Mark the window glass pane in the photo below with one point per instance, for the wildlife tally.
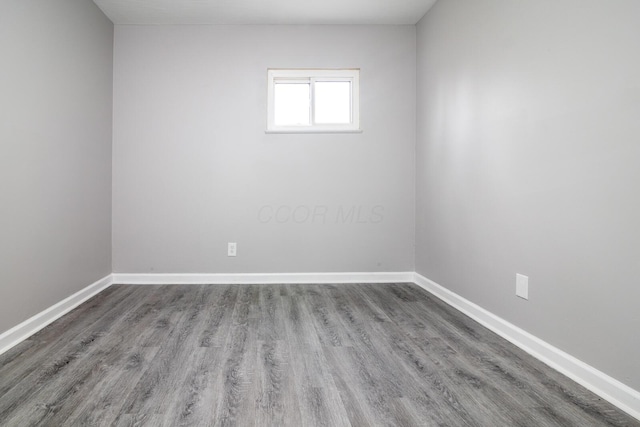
(333, 102)
(291, 104)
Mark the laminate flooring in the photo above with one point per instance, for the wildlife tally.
(282, 355)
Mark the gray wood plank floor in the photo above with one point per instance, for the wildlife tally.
(282, 355)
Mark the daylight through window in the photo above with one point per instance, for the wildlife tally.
(313, 101)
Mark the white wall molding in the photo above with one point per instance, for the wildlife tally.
(610, 389)
(24, 330)
(262, 278)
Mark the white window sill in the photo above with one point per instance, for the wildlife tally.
(313, 131)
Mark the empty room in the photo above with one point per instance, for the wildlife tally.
(320, 213)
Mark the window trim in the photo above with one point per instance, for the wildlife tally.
(351, 75)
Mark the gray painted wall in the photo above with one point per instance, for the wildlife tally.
(193, 168)
(528, 161)
(55, 152)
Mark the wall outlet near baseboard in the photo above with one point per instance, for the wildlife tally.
(522, 286)
(232, 249)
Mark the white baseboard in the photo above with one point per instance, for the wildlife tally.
(24, 330)
(264, 278)
(610, 389)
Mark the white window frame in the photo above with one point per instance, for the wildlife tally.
(351, 75)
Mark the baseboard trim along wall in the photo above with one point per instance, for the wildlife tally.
(24, 330)
(262, 278)
(610, 389)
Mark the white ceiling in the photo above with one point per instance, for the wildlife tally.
(265, 11)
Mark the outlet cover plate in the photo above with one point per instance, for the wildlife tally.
(232, 249)
(522, 286)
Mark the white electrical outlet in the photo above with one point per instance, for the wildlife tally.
(522, 286)
(232, 249)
